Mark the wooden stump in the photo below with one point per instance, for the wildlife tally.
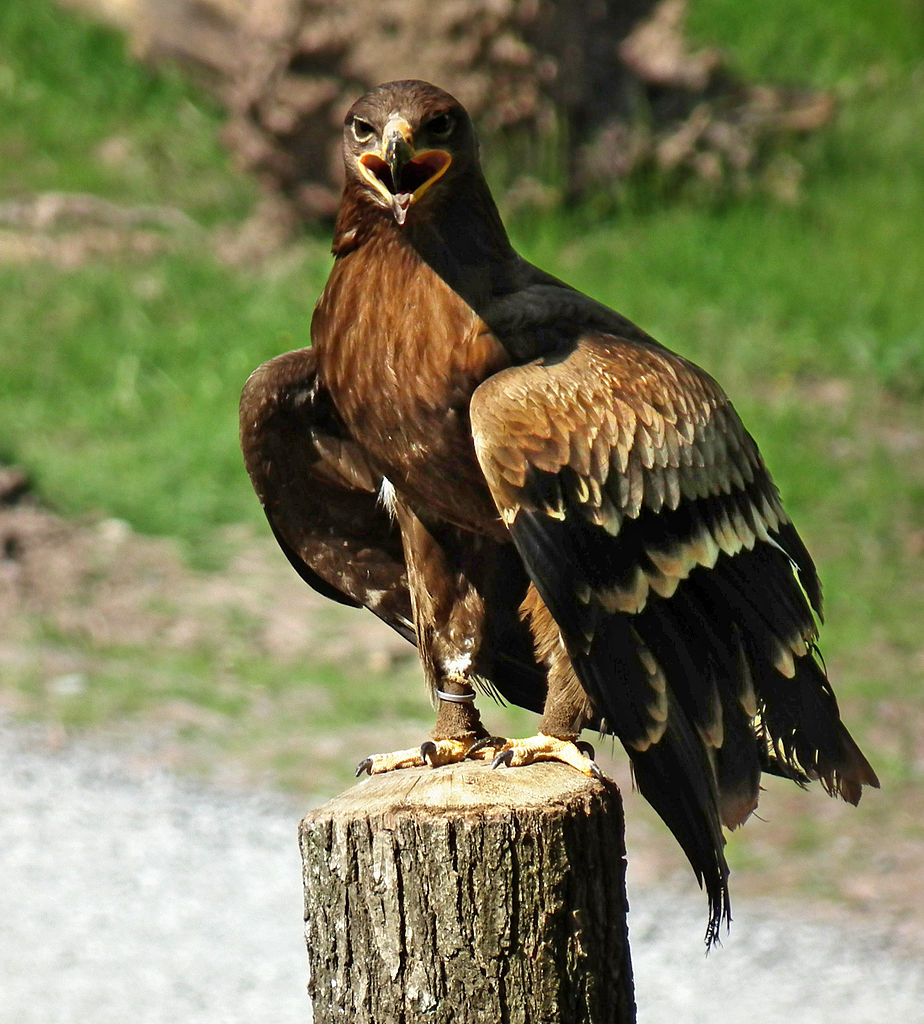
(468, 894)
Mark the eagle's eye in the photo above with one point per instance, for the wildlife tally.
(441, 126)
(362, 130)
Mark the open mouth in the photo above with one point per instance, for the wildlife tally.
(414, 177)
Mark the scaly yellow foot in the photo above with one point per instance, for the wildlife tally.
(514, 753)
(432, 752)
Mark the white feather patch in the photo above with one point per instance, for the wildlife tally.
(458, 665)
(388, 497)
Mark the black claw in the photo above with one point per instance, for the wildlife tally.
(586, 749)
(486, 741)
(364, 766)
(503, 758)
(427, 750)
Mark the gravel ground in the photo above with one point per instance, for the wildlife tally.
(129, 895)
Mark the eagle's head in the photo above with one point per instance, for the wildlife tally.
(403, 142)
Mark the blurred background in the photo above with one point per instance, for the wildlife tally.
(745, 181)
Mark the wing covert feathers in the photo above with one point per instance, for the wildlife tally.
(654, 534)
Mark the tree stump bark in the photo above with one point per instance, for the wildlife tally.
(468, 894)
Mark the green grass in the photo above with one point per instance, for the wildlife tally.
(119, 380)
(836, 43)
(119, 384)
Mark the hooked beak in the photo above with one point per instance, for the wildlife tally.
(399, 173)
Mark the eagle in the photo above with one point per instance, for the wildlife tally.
(552, 506)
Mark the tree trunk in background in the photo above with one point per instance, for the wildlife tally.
(469, 894)
(569, 99)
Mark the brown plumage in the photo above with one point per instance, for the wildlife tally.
(550, 504)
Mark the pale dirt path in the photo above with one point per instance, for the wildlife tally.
(130, 895)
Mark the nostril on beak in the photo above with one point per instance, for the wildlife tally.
(397, 153)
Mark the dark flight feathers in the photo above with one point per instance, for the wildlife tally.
(319, 493)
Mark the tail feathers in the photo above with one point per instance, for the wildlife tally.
(738, 769)
(705, 672)
(669, 774)
(672, 768)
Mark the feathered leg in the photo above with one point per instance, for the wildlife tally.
(566, 711)
(449, 617)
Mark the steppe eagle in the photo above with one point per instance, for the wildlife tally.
(551, 505)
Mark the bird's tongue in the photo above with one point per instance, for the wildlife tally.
(400, 204)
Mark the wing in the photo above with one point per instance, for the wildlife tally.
(654, 534)
(319, 492)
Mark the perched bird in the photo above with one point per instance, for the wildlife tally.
(551, 505)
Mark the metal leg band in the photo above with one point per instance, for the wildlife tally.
(456, 698)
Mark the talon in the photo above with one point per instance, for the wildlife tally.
(486, 741)
(503, 758)
(434, 753)
(579, 755)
